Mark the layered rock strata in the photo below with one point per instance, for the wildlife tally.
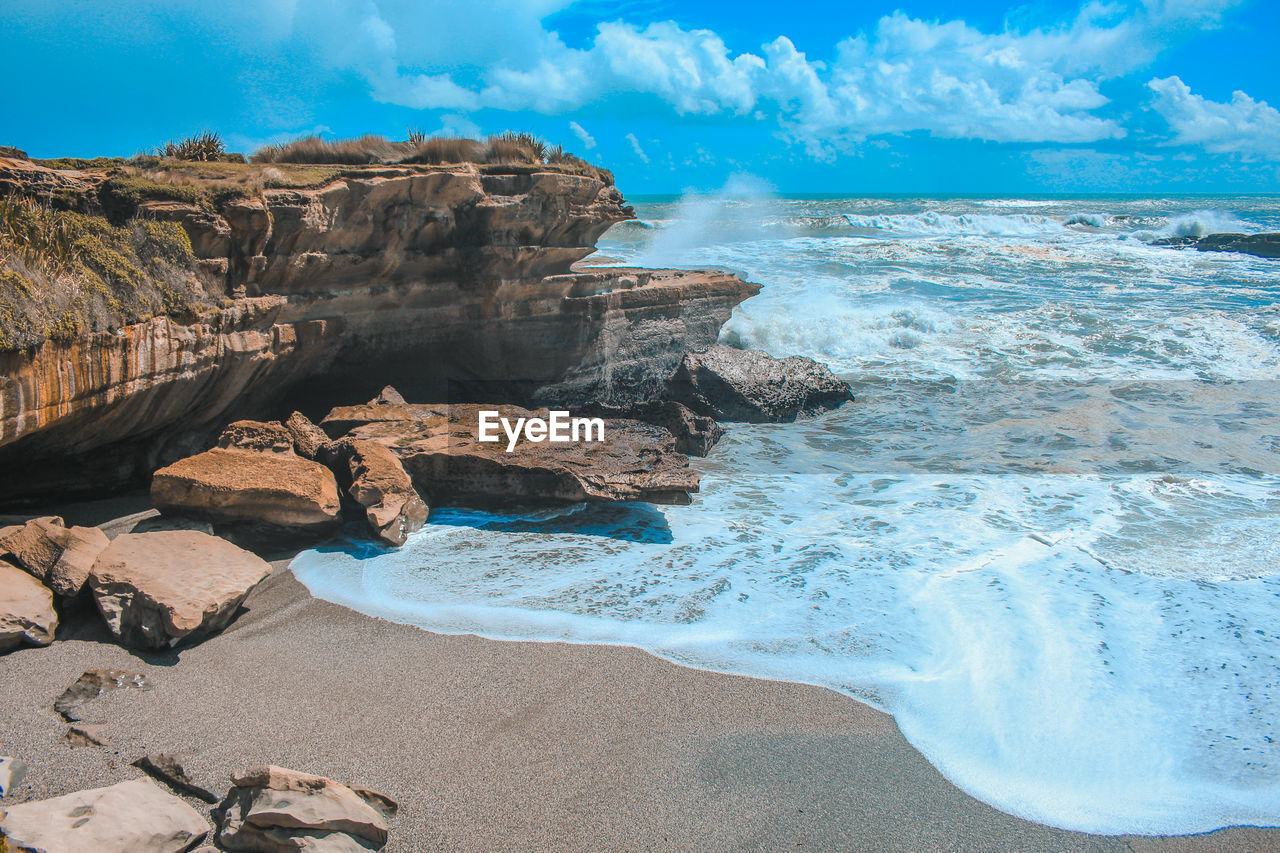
(447, 281)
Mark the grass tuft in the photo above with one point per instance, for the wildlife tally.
(202, 147)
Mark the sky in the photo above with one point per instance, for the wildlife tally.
(908, 96)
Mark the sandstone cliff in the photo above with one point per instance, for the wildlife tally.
(452, 282)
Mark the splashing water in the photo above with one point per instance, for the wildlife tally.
(1045, 536)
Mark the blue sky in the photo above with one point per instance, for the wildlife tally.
(907, 96)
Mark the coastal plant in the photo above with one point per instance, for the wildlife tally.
(121, 195)
(515, 147)
(202, 147)
(416, 137)
(64, 273)
(445, 149)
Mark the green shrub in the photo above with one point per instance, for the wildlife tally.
(121, 195)
(202, 147)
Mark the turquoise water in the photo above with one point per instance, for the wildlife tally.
(1044, 536)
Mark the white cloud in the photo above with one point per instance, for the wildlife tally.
(635, 146)
(1240, 126)
(588, 141)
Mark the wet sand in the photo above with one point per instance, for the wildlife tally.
(492, 745)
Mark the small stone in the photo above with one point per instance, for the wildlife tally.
(12, 772)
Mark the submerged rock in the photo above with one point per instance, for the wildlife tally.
(380, 485)
(156, 589)
(131, 817)
(26, 609)
(274, 809)
(732, 384)
(439, 447)
(1262, 245)
(244, 487)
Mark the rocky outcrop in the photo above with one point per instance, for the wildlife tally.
(157, 589)
(384, 491)
(745, 385)
(237, 488)
(131, 817)
(1262, 245)
(440, 447)
(274, 810)
(447, 281)
(26, 609)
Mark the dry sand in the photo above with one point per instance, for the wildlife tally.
(493, 745)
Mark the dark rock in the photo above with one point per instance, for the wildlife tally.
(169, 770)
(695, 435)
(90, 686)
(745, 385)
(440, 448)
(1262, 245)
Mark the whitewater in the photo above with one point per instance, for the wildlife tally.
(1045, 536)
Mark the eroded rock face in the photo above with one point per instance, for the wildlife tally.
(380, 485)
(262, 436)
(157, 589)
(415, 275)
(745, 385)
(245, 487)
(274, 809)
(131, 817)
(439, 447)
(308, 439)
(26, 609)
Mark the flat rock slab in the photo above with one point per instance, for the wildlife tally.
(238, 486)
(26, 609)
(155, 589)
(34, 546)
(131, 817)
(440, 448)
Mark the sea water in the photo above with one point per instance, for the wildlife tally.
(1045, 537)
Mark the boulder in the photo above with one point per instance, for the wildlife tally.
(240, 487)
(130, 817)
(156, 589)
(388, 396)
(745, 385)
(275, 809)
(12, 772)
(439, 447)
(308, 439)
(262, 436)
(34, 546)
(71, 571)
(26, 609)
(381, 487)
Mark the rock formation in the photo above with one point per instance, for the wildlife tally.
(439, 447)
(1262, 245)
(26, 609)
(384, 491)
(744, 385)
(131, 817)
(157, 589)
(445, 280)
(272, 809)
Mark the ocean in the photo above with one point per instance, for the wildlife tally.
(1045, 536)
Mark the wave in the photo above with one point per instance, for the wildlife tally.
(947, 224)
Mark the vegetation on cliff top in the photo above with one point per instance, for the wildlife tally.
(64, 273)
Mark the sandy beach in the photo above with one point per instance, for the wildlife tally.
(492, 745)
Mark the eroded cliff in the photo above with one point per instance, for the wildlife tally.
(452, 282)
